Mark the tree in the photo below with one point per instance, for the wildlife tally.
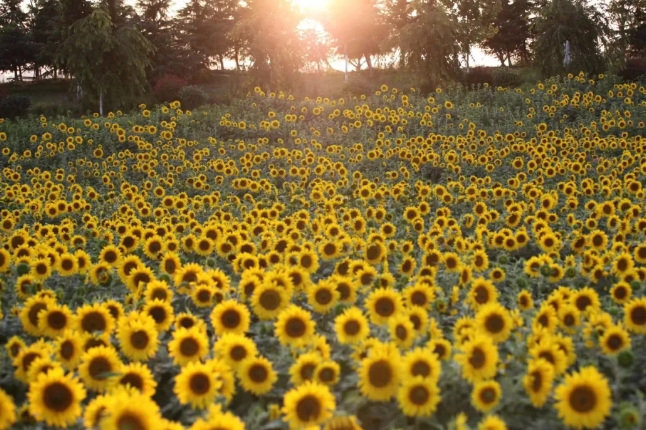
(430, 41)
(17, 50)
(626, 20)
(357, 28)
(106, 60)
(512, 32)
(474, 22)
(45, 30)
(572, 21)
(267, 29)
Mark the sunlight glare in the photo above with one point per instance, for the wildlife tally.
(312, 5)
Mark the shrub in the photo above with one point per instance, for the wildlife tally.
(357, 87)
(192, 97)
(168, 87)
(14, 105)
(507, 78)
(634, 69)
(478, 76)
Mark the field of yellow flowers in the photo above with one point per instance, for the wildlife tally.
(460, 260)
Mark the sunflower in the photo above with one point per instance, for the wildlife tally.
(230, 316)
(418, 397)
(486, 395)
(111, 255)
(635, 315)
(440, 347)
(7, 411)
(97, 366)
(27, 286)
(583, 400)
(323, 296)
(55, 398)
(343, 423)
(545, 318)
(329, 250)
(197, 384)
(225, 376)
(549, 350)
(40, 365)
(187, 320)
(187, 274)
(379, 375)
(216, 419)
(493, 319)
(170, 263)
(614, 340)
(257, 375)
(352, 326)
(421, 362)
(54, 320)
(492, 422)
(294, 326)
(401, 330)
(538, 381)
(96, 410)
(308, 404)
(188, 345)
(621, 293)
(41, 269)
(478, 359)
(95, 318)
(234, 349)
(327, 372)
(420, 294)
(267, 301)
(14, 346)
(586, 299)
(129, 409)
(136, 375)
(29, 313)
(161, 312)
(67, 265)
(138, 338)
(482, 292)
(304, 368)
(382, 304)
(158, 290)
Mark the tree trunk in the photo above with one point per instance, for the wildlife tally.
(468, 53)
(101, 102)
(15, 73)
(346, 61)
(369, 63)
(221, 61)
(236, 58)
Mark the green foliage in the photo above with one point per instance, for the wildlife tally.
(107, 60)
(192, 97)
(14, 106)
(567, 20)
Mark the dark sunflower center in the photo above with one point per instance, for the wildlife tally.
(481, 295)
(99, 368)
(189, 347)
(582, 302)
(352, 327)
(34, 311)
(158, 313)
(238, 353)
(380, 374)
(638, 315)
(295, 327)
(385, 307)
(67, 349)
(373, 252)
(401, 332)
(130, 421)
(258, 373)
(56, 320)
(537, 381)
(344, 291)
(488, 395)
(139, 339)
(132, 379)
(583, 399)
(186, 322)
(270, 300)
(547, 355)
(309, 408)
(160, 294)
(420, 368)
(478, 358)
(58, 397)
(323, 296)
(327, 375)
(93, 321)
(204, 295)
(28, 359)
(329, 249)
(418, 298)
(614, 342)
(569, 320)
(231, 318)
(200, 384)
(419, 395)
(495, 324)
(307, 371)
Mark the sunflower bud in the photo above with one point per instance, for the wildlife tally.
(629, 416)
(626, 358)
(22, 269)
(503, 259)
(570, 272)
(546, 270)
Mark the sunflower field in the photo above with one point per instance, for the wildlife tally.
(455, 260)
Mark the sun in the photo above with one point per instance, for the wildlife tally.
(312, 5)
